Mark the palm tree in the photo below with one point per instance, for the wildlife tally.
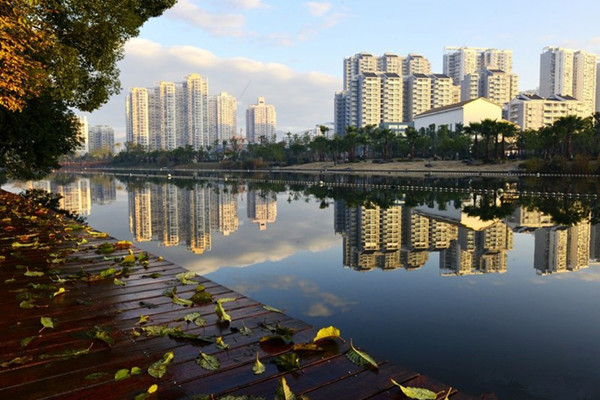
(507, 130)
(350, 140)
(473, 129)
(411, 136)
(569, 126)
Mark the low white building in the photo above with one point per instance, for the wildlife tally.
(531, 111)
(460, 113)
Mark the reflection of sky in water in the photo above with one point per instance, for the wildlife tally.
(518, 334)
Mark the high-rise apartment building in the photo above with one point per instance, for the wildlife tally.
(569, 72)
(138, 117)
(83, 135)
(482, 72)
(415, 64)
(170, 115)
(425, 92)
(101, 137)
(260, 121)
(196, 104)
(222, 110)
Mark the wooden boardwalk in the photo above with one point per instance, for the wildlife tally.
(103, 308)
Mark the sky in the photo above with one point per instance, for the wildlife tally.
(291, 51)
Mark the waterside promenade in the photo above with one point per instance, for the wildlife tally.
(88, 317)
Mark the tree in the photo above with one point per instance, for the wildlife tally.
(412, 136)
(34, 138)
(567, 127)
(58, 54)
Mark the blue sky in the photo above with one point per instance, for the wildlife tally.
(291, 52)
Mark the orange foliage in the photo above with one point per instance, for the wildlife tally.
(22, 75)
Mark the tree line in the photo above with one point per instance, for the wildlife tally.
(568, 140)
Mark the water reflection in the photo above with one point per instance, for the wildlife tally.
(473, 233)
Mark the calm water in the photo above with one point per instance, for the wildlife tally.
(506, 306)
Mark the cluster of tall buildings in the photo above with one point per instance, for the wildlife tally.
(392, 89)
(173, 115)
(95, 138)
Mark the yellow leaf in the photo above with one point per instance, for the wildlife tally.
(416, 393)
(153, 388)
(59, 292)
(330, 332)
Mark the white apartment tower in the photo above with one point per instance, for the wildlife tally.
(415, 64)
(425, 92)
(569, 72)
(372, 92)
(101, 137)
(482, 72)
(196, 100)
(225, 117)
(138, 128)
(260, 121)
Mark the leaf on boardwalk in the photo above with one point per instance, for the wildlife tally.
(202, 297)
(147, 393)
(123, 245)
(283, 391)
(59, 292)
(159, 330)
(221, 344)
(258, 367)
(360, 358)
(136, 371)
(26, 341)
(119, 282)
(143, 319)
(244, 330)
(288, 361)
(208, 362)
(96, 375)
(66, 354)
(33, 273)
(16, 361)
(47, 322)
(107, 272)
(182, 302)
(129, 259)
(122, 374)
(159, 368)
(196, 318)
(105, 248)
(186, 278)
(307, 347)
(223, 316)
(226, 300)
(269, 308)
(330, 332)
(416, 393)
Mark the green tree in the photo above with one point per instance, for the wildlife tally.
(70, 51)
(569, 126)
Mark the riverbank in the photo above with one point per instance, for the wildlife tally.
(410, 166)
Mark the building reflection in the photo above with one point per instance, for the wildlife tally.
(403, 237)
(262, 208)
(176, 216)
(392, 237)
(76, 194)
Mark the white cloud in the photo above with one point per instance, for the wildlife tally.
(301, 99)
(215, 23)
(318, 9)
(245, 4)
